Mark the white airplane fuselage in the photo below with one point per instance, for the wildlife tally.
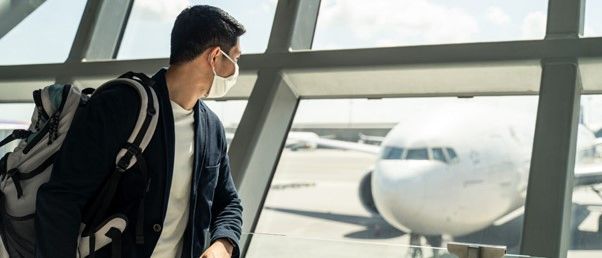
(459, 196)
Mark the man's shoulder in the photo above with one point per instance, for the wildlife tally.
(116, 92)
(115, 100)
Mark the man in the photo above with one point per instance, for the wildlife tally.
(191, 203)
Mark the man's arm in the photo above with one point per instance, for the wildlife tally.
(226, 223)
(87, 157)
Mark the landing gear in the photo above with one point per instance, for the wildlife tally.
(599, 192)
(435, 242)
(416, 243)
(416, 249)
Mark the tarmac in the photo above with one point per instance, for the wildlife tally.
(313, 210)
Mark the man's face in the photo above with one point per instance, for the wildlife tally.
(223, 66)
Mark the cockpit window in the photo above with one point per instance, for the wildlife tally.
(418, 154)
(392, 153)
(445, 155)
(451, 153)
(439, 155)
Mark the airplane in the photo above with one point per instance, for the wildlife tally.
(456, 172)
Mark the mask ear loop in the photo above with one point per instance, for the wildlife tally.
(227, 56)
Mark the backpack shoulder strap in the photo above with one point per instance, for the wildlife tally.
(131, 151)
(146, 123)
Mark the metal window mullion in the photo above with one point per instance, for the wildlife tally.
(455, 54)
(261, 134)
(15, 12)
(99, 33)
(546, 229)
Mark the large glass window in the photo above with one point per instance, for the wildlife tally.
(409, 201)
(593, 18)
(149, 27)
(13, 116)
(43, 36)
(356, 24)
(229, 112)
(586, 225)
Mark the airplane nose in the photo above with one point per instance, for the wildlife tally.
(399, 190)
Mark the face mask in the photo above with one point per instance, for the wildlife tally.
(222, 85)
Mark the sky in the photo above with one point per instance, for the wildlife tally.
(46, 36)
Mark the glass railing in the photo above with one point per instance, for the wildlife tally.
(265, 245)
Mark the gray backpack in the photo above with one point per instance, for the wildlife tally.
(29, 165)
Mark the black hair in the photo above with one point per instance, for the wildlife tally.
(200, 27)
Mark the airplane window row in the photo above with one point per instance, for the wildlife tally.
(445, 155)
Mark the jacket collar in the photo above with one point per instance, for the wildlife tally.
(167, 122)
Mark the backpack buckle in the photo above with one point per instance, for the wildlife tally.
(122, 165)
(131, 151)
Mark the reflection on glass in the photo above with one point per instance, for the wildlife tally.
(355, 24)
(151, 21)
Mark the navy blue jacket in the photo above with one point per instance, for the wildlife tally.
(87, 157)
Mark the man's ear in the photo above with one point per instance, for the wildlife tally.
(212, 55)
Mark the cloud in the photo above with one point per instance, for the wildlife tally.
(534, 25)
(159, 10)
(398, 22)
(497, 16)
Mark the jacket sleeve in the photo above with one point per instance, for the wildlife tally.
(86, 158)
(226, 211)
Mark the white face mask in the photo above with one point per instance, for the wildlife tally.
(222, 85)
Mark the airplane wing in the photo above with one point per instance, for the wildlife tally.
(311, 139)
(588, 174)
(345, 145)
(370, 138)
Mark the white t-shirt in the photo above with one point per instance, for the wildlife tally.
(171, 240)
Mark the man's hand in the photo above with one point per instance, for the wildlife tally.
(221, 248)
